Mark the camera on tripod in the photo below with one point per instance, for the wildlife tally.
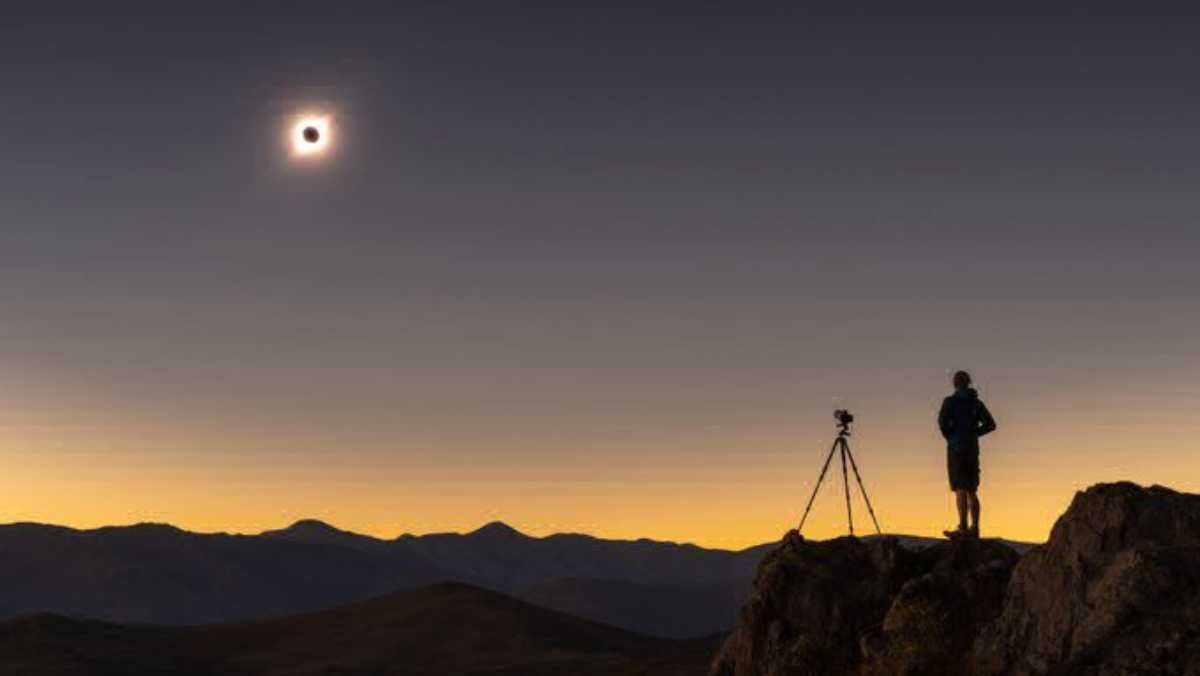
(841, 446)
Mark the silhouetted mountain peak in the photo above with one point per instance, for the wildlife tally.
(313, 531)
(312, 527)
(498, 529)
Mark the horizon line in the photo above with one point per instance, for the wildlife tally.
(493, 525)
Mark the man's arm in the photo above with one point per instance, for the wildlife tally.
(945, 420)
(986, 423)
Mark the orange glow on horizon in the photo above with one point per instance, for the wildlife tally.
(383, 465)
(731, 501)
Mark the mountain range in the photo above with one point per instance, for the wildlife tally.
(159, 574)
(447, 629)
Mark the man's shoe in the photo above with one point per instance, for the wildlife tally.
(973, 532)
(956, 533)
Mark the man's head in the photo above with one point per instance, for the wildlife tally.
(961, 380)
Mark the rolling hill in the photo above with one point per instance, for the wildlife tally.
(441, 630)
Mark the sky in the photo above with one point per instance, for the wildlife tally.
(591, 268)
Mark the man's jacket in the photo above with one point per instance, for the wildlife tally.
(964, 418)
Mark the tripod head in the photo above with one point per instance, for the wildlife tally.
(843, 418)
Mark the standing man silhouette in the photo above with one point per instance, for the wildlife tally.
(962, 420)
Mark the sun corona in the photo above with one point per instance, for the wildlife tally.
(310, 136)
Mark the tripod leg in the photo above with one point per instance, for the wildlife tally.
(864, 491)
(846, 483)
(824, 468)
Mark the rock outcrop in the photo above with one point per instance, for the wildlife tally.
(849, 606)
(932, 622)
(1116, 590)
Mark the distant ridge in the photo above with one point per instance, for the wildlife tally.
(438, 630)
(314, 530)
(160, 574)
(157, 573)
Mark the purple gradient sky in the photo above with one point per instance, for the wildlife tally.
(588, 268)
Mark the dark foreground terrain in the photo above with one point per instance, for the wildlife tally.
(1114, 592)
(446, 629)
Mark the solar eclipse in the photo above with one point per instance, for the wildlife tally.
(310, 135)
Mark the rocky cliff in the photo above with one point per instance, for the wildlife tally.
(849, 606)
(1116, 590)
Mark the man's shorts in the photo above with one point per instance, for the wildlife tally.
(962, 464)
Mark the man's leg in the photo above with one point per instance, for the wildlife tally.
(963, 499)
(975, 512)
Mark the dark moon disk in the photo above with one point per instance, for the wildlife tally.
(311, 134)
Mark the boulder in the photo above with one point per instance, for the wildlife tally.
(851, 606)
(1115, 590)
(933, 621)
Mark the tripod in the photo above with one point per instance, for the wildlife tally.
(841, 444)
